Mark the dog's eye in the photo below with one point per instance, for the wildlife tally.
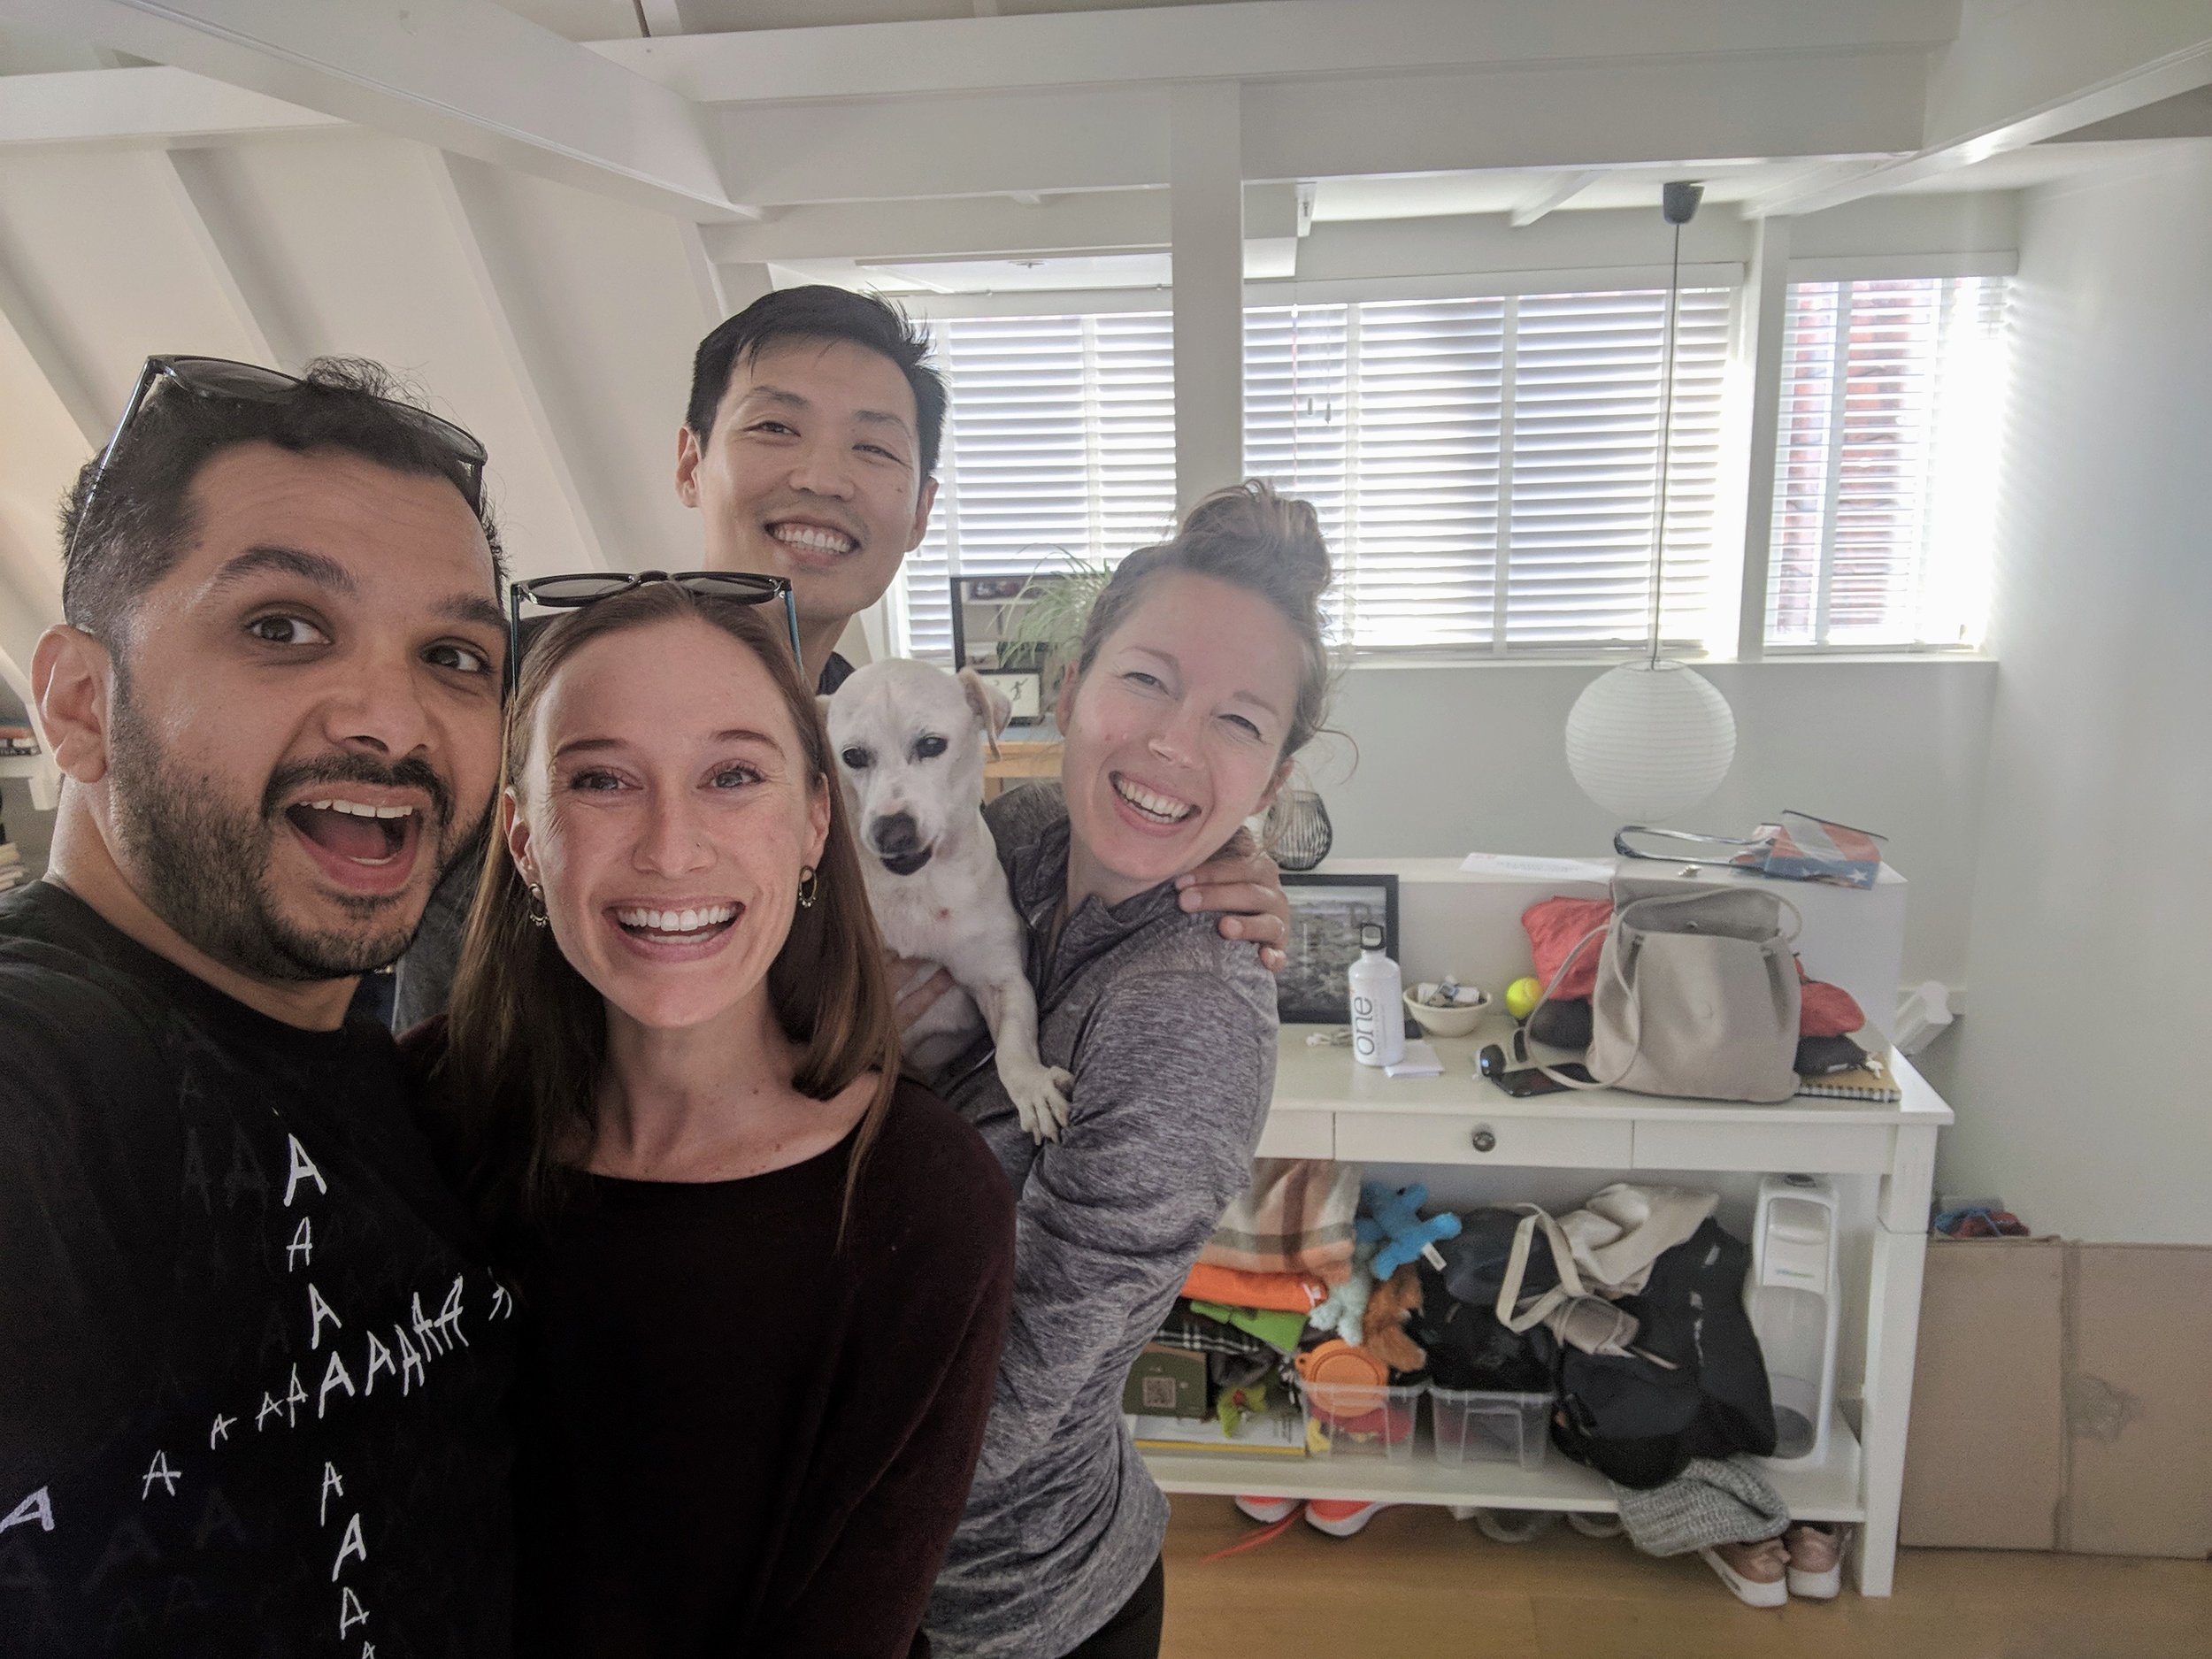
(928, 747)
(858, 759)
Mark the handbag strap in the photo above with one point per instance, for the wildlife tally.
(1558, 979)
(1656, 900)
(1510, 1314)
(1620, 846)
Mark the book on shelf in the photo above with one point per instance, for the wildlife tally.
(18, 740)
(1875, 1080)
(1278, 1434)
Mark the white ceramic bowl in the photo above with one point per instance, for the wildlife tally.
(1457, 1021)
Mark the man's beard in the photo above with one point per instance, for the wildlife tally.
(203, 865)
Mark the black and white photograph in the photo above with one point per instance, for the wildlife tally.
(1327, 913)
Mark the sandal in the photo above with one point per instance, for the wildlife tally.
(1816, 1559)
(1745, 1574)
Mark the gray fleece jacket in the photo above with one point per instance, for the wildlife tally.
(1170, 1031)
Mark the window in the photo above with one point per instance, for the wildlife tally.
(1886, 462)
(1486, 469)
(1061, 436)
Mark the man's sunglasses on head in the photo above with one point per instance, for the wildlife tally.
(572, 593)
(222, 378)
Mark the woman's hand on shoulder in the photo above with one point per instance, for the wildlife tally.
(1245, 885)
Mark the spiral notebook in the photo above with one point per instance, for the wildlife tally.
(1876, 1080)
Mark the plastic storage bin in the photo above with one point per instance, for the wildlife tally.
(1478, 1425)
(1792, 1301)
(1361, 1419)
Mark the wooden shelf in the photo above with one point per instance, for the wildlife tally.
(1826, 1491)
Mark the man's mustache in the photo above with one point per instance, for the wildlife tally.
(412, 773)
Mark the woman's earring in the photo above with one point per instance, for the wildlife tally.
(810, 887)
(538, 917)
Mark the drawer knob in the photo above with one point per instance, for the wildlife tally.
(1484, 1141)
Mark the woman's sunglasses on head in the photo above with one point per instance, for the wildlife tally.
(572, 593)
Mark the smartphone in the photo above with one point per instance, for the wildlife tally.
(1526, 1080)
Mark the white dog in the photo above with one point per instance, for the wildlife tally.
(910, 741)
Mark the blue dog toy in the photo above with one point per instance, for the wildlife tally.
(1394, 1222)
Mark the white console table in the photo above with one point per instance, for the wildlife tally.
(1326, 1106)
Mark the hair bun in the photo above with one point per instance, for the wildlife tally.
(1253, 513)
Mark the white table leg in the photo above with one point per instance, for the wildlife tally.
(1892, 1334)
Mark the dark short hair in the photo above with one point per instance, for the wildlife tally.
(819, 312)
(123, 538)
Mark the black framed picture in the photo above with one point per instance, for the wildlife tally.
(1327, 913)
(989, 635)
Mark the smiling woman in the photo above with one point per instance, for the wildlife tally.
(1202, 672)
(670, 1082)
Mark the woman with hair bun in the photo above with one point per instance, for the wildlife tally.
(1201, 673)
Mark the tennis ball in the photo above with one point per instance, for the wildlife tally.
(1522, 995)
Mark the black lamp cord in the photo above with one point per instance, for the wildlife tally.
(1666, 444)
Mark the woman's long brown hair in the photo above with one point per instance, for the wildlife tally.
(526, 1036)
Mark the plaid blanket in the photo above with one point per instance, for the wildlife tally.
(1295, 1217)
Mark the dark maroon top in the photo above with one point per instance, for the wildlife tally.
(736, 1437)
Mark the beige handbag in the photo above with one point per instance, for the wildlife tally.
(1697, 993)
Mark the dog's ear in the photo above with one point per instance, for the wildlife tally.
(992, 708)
(822, 702)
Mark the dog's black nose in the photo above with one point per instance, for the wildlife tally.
(895, 834)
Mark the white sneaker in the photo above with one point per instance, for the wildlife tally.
(1817, 1561)
(1269, 1510)
(1751, 1592)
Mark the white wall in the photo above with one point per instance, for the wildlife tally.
(2080, 1073)
(1456, 758)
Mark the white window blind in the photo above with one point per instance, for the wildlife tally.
(1061, 435)
(1486, 469)
(1886, 462)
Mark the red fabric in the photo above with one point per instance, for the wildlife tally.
(1555, 924)
(1826, 1011)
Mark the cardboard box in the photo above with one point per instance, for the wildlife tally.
(2138, 1402)
(2062, 1399)
(1168, 1382)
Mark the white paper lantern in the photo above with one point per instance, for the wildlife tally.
(1648, 740)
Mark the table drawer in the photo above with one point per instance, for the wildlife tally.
(1815, 1148)
(1298, 1135)
(1596, 1143)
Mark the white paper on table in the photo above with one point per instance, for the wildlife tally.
(1421, 1061)
(1537, 869)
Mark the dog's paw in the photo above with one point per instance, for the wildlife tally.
(1039, 1097)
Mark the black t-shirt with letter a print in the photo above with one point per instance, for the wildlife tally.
(252, 1367)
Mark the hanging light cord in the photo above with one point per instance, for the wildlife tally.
(1666, 444)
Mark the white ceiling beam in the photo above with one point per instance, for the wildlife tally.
(23, 317)
(1557, 194)
(214, 230)
(706, 277)
(2021, 74)
(983, 227)
(1114, 138)
(1251, 39)
(461, 185)
(154, 103)
(465, 75)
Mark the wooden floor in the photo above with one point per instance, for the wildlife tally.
(1417, 1585)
